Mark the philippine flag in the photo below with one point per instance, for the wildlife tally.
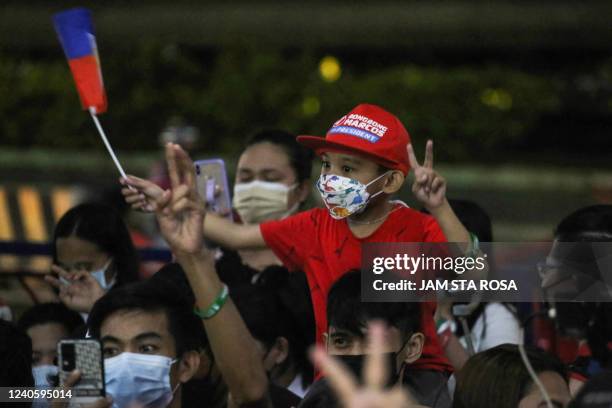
(75, 31)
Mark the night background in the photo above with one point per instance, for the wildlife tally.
(517, 95)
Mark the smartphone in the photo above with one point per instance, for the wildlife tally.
(213, 186)
(84, 355)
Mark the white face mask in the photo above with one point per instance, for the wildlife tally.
(139, 380)
(259, 201)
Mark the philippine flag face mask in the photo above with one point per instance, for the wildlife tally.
(344, 196)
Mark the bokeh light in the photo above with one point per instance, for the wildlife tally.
(311, 106)
(330, 69)
(496, 98)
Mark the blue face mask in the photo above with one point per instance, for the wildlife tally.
(42, 380)
(139, 380)
(42, 373)
(100, 276)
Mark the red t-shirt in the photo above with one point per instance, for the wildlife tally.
(325, 248)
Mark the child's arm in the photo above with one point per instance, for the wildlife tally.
(230, 235)
(429, 187)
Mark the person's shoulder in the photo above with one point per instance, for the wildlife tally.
(316, 212)
(499, 309)
(315, 216)
(403, 210)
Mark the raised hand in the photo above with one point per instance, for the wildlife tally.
(372, 394)
(143, 194)
(80, 291)
(180, 211)
(429, 187)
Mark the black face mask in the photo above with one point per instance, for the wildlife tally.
(356, 362)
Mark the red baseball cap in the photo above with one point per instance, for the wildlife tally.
(369, 131)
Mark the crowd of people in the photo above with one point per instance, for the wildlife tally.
(267, 311)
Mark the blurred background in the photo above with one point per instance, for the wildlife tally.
(517, 96)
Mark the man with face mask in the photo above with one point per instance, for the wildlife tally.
(577, 282)
(46, 324)
(150, 341)
(346, 340)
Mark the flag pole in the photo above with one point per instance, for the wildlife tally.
(94, 117)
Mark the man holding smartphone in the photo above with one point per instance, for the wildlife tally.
(150, 343)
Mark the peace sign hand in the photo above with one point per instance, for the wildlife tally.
(180, 211)
(429, 187)
(373, 393)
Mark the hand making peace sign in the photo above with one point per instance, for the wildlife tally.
(179, 210)
(429, 187)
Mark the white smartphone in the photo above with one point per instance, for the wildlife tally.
(213, 186)
(84, 355)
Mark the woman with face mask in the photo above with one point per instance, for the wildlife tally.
(92, 253)
(272, 182)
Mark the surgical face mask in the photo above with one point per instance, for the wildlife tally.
(344, 196)
(42, 375)
(139, 380)
(259, 201)
(100, 276)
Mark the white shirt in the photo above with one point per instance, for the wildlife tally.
(496, 325)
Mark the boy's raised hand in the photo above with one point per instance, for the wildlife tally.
(180, 211)
(429, 187)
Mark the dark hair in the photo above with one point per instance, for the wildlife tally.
(595, 393)
(473, 217)
(15, 356)
(498, 378)
(278, 305)
(346, 311)
(50, 313)
(589, 224)
(102, 226)
(172, 275)
(184, 326)
(300, 157)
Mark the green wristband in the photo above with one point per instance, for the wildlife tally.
(474, 246)
(215, 307)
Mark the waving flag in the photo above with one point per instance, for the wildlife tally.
(75, 31)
